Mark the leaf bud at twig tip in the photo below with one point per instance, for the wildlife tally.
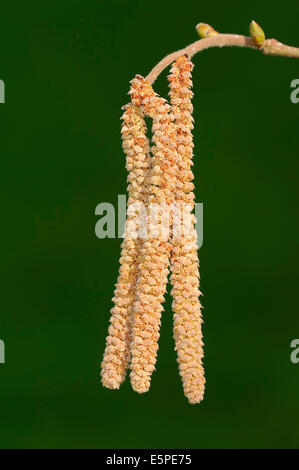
(205, 30)
(256, 33)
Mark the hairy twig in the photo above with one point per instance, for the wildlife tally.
(268, 47)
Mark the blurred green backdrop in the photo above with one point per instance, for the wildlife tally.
(66, 66)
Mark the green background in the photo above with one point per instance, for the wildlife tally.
(66, 66)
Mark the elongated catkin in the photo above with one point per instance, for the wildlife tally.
(136, 148)
(155, 251)
(184, 259)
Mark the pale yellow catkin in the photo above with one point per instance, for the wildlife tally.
(184, 259)
(137, 150)
(155, 251)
